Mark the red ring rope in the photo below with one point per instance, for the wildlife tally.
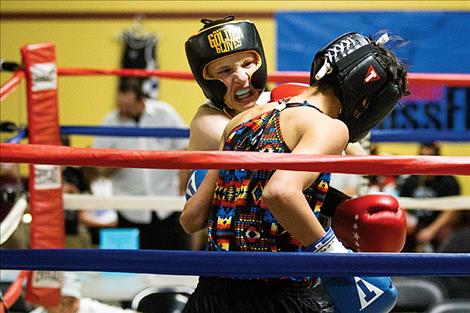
(11, 84)
(275, 76)
(13, 292)
(375, 165)
(279, 77)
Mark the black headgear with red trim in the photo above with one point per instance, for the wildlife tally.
(367, 88)
(220, 38)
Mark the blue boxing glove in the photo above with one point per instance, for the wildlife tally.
(361, 294)
(355, 294)
(194, 181)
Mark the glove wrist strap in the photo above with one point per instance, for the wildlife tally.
(327, 243)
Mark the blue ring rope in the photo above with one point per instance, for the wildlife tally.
(391, 135)
(22, 133)
(378, 135)
(125, 131)
(237, 264)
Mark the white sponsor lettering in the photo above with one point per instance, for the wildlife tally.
(44, 76)
(46, 279)
(47, 177)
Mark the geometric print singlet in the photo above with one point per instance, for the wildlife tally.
(239, 220)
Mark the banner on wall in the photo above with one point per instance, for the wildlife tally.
(432, 46)
(139, 51)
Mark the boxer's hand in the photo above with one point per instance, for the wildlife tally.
(194, 181)
(361, 294)
(287, 90)
(354, 294)
(372, 223)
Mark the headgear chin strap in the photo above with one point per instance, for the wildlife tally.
(367, 89)
(218, 39)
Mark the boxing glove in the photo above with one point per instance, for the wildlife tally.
(197, 176)
(361, 294)
(354, 294)
(287, 90)
(371, 223)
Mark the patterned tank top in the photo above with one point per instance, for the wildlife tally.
(239, 220)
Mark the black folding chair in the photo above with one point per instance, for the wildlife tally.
(417, 294)
(161, 299)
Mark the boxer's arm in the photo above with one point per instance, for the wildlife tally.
(355, 149)
(283, 194)
(206, 129)
(196, 210)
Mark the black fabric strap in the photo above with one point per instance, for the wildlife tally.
(333, 198)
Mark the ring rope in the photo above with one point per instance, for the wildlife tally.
(11, 84)
(396, 135)
(14, 291)
(12, 220)
(237, 264)
(124, 203)
(378, 135)
(126, 131)
(165, 159)
(274, 76)
(22, 133)
(449, 79)
(176, 203)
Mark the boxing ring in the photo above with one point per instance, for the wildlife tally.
(45, 155)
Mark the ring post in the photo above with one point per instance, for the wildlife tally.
(45, 184)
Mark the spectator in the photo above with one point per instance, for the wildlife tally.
(158, 230)
(73, 302)
(428, 229)
(74, 182)
(95, 220)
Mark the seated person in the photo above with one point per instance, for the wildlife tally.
(74, 182)
(73, 302)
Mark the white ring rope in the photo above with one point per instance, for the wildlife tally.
(121, 202)
(176, 203)
(12, 220)
(436, 204)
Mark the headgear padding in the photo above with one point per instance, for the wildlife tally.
(218, 39)
(367, 88)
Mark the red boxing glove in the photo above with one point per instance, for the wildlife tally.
(371, 223)
(287, 90)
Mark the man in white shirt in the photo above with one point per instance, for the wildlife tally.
(158, 230)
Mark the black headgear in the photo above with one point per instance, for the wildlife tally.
(366, 87)
(218, 39)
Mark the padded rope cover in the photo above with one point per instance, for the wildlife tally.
(238, 264)
(373, 165)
